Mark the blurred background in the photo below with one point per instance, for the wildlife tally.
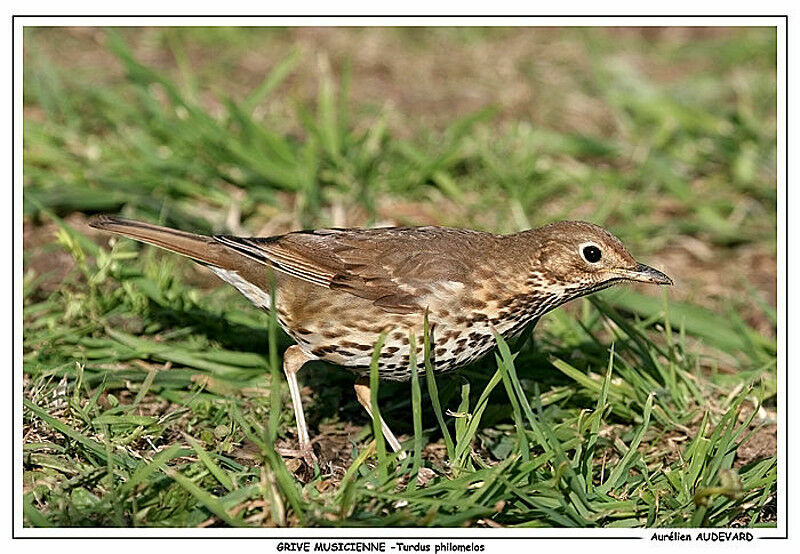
(665, 136)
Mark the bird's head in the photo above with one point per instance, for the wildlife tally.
(579, 256)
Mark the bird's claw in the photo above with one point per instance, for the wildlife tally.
(306, 454)
(424, 475)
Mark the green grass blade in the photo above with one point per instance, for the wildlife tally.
(206, 499)
(433, 391)
(416, 410)
(275, 375)
(374, 383)
(220, 474)
(622, 467)
(273, 79)
(93, 446)
(146, 469)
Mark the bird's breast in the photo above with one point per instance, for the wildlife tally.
(343, 329)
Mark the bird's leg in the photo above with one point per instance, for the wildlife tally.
(364, 398)
(293, 361)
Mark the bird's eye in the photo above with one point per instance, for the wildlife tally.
(591, 254)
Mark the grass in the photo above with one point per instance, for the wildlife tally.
(151, 400)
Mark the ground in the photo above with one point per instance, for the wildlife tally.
(666, 136)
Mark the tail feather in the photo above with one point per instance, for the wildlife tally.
(201, 248)
(198, 247)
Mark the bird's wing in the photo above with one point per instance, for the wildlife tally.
(396, 268)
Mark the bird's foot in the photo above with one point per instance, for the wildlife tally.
(424, 475)
(306, 454)
(309, 457)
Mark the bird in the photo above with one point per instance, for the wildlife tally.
(338, 291)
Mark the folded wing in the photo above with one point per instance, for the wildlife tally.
(396, 268)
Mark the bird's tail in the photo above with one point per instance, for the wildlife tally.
(201, 248)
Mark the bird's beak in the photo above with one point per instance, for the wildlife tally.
(645, 274)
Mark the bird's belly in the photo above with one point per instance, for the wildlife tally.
(355, 351)
(345, 334)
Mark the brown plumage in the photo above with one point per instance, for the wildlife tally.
(337, 290)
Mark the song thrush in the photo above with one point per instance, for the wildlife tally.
(337, 290)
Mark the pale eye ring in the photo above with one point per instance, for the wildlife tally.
(590, 252)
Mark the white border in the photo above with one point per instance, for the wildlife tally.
(19, 23)
(403, 21)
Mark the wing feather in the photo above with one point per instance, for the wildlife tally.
(393, 267)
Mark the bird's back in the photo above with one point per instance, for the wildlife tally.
(394, 267)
